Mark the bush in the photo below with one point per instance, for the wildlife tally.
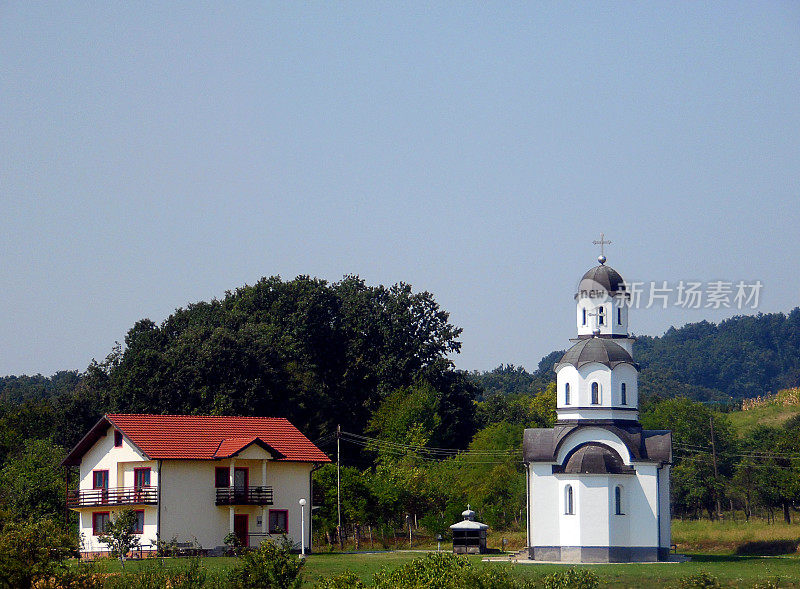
(346, 580)
(701, 580)
(572, 579)
(270, 566)
(32, 551)
(443, 570)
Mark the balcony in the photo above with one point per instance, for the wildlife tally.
(244, 496)
(115, 496)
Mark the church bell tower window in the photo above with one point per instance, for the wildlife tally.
(584, 316)
(623, 394)
(619, 316)
(566, 394)
(601, 315)
(595, 393)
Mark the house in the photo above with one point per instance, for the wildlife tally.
(194, 478)
(597, 482)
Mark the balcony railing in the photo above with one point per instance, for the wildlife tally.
(114, 496)
(244, 496)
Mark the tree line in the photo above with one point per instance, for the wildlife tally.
(376, 360)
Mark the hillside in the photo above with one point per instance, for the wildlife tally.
(743, 357)
(772, 411)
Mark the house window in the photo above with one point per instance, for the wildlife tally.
(117, 438)
(101, 520)
(222, 477)
(569, 503)
(566, 394)
(624, 394)
(618, 500)
(138, 527)
(595, 393)
(100, 479)
(278, 521)
(619, 315)
(601, 315)
(584, 316)
(141, 477)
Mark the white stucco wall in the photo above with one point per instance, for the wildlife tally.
(188, 499)
(119, 462)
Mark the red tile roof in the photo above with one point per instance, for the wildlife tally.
(194, 437)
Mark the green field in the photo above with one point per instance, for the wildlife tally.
(732, 571)
(773, 415)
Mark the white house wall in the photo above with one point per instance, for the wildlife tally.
(189, 512)
(117, 461)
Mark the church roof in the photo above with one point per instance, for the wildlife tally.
(594, 458)
(596, 349)
(601, 278)
(542, 444)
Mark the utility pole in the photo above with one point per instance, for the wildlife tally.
(716, 472)
(338, 490)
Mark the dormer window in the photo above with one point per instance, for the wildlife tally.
(623, 394)
(601, 315)
(566, 394)
(595, 393)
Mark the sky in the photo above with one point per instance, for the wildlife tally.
(158, 154)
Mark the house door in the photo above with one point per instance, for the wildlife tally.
(240, 528)
(240, 483)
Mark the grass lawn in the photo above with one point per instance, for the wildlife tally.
(773, 415)
(732, 571)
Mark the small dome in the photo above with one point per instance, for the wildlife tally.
(468, 514)
(593, 458)
(603, 279)
(596, 349)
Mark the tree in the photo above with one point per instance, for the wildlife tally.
(31, 485)
(33, 550)
(121, 535)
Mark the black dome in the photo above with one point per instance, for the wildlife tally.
(601, 278)
(596, 349)
(594, 458)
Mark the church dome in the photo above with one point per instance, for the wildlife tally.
(596, 349)
(601, 278)
(594, 458)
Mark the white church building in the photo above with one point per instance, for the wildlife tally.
(597, 483)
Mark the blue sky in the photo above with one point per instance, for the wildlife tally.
(156, 154)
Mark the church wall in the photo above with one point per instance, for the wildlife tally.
(544, 497)
(625, 373)
(644, 507)
(610, 306)
(666, 514)
(592, 509)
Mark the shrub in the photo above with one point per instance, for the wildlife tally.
(702, 580)
(443, 570)
(271, 565)
(346, 580)
(33, 551)
(572, 579)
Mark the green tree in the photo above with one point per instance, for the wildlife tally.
(121, 535)
(33, 550)
(31, 482)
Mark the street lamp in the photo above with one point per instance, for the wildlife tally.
(302, 503)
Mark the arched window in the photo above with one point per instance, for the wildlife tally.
(584, 316)
(595, 393)
(569, 503)
(618, 500)
(623, 395)
(601, 315)
(619, 315)
(566, 394)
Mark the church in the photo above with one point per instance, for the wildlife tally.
(597, 483)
